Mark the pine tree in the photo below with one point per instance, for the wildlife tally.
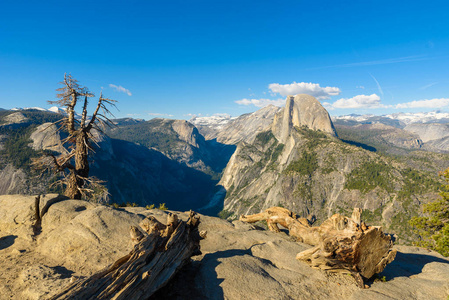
(433, 228)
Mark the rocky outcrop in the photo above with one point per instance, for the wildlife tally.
(380, 137)
(238, 260)
(211, 125)
(429, 131)
(301, 110)
(15, 118)
(12, 180)
(191, 147)
(243, 128)
(439, 145)
(434, 135)
(188, 133)
(46, 137)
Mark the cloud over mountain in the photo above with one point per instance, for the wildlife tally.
(313, 89)
(359, 101)
(427, 103)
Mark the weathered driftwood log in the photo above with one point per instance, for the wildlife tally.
(341, 243)
(155, 259)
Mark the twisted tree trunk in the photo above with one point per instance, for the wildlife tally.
(155, 259)
(341, 243)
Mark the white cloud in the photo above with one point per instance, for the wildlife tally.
(261, 102)
(328, 106)
(121, 89)
(360, 87)
(313, 89)
(359, 101)
(431, 103)
(159, 115)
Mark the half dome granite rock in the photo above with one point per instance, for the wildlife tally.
(239, 261)
(301, 110)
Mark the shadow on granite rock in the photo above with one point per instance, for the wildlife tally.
(7, 241)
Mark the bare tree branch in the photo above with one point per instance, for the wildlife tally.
(79, 137)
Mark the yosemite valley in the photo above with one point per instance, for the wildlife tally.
(295, 157)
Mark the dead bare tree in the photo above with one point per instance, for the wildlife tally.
(157, 256)
(341, 244)
(74, 164)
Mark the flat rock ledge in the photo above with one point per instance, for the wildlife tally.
(75, 239)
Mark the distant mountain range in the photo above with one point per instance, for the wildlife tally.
(219, 121)
(402, 119)
(54, 109)
(399, 119)
(296, 156)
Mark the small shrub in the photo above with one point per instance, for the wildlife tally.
(162, 206)
(377, 277)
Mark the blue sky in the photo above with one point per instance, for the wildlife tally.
(181, 58)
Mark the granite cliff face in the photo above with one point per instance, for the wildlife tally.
(47, 137)
(429, 131)
(178, 140)
(14, 119)
(301, 110)
(243, 128)
(13, 180)
(434, 135)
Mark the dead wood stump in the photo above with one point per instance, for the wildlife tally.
(155, 259)
(341, 243)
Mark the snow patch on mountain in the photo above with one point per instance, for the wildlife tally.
(218, 121)
(29, 108)
(421, 117)
(56, 109)
(406, 118)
